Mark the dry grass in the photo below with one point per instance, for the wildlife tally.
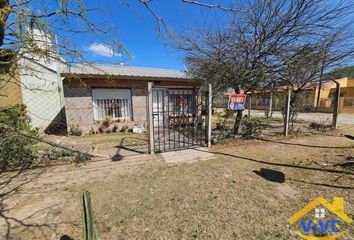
(224, 198)
(130, 138)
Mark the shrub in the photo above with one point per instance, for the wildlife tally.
(16, 150)
(222, 120)
(125, 129)
(253, 127)
(75, 130)
(82, 157)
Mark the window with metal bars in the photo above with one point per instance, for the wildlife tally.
(115, 103)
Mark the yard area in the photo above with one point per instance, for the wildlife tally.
(325, 118)
(247, 191)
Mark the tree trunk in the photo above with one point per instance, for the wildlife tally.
(239, 114)
(5, 11)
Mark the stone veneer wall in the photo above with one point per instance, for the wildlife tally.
(79, 106)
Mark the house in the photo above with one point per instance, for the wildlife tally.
(10, 90)
(38, 86)
(36, 83)
(323, 91)
(93, 93)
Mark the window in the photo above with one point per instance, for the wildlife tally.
(181, 102)
(115, 103)
(348, 102)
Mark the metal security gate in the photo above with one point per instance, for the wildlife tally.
(179, 118)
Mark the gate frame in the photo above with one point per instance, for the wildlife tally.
(150, 116)
(150, 119)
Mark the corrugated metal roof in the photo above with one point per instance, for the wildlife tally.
(118, 70)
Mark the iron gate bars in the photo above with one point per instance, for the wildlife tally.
(179, 118)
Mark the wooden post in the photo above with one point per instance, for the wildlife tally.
(150, 119)
(287, 113)
(210, 112)
(270, 109)
(336, 106)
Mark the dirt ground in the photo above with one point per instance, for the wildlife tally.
(247, 191)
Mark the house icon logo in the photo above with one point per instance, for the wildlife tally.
(321, 220)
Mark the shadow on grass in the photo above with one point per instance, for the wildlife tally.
(12, 184)
(276, 176)
(130, 148)
(323, 184)
(271, 175)
(279, 164)
(303, 145)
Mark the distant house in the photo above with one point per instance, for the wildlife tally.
(10, 90)
(324, 91)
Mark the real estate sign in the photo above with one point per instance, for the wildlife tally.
(236, 102)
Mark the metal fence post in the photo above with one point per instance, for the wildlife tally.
(210, 112)
(287, 113)
(150, 119)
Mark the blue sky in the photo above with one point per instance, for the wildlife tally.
(135, 28)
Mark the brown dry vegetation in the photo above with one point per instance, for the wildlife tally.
(144, 198)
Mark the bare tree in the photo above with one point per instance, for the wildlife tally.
(255, 47)
(35, 29)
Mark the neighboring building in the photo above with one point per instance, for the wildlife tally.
(41, 88)
(36, 84)
(95, 92)
(324, 91)
(10, 90)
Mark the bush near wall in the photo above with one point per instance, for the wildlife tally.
(16, 150)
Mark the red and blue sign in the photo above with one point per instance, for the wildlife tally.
(236, 102)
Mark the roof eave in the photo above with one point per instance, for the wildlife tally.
(144, 78)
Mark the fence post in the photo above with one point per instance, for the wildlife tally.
(336, 106)
(150, 118)
(210, 112)
(287, 113)
(270, 109)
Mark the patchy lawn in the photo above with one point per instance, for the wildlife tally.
(127, 138)
(113, 145)
(247, 192)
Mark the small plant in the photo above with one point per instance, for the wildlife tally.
(63, 154)
(82, 157)
(75, 130)
(222, 120)
(114, 129)
(125, 129)
(253, 127)
(320, 126)
(88, 222)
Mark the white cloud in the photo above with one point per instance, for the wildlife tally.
(102, 50)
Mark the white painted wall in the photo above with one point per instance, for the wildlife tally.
(42, 91)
